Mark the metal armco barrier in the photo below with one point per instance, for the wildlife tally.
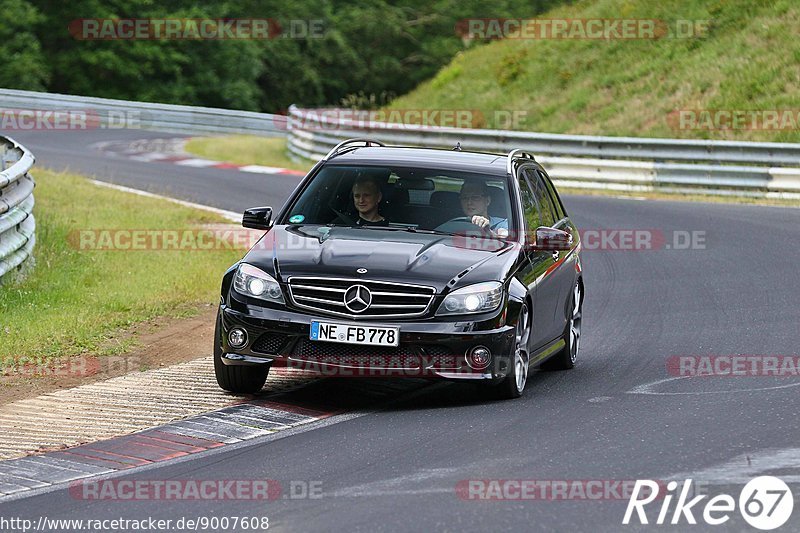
(17, 225)
(617, 163)
(103, 113)
(754, 169)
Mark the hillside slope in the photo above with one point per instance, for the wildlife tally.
(747, 60)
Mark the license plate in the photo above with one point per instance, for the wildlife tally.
(354, 334)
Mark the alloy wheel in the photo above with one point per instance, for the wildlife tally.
(521, 358)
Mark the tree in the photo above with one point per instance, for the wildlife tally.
(24, 64)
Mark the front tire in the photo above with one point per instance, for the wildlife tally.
(239, 379)
(513, 384)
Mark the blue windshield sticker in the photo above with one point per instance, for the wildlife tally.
(296, 219)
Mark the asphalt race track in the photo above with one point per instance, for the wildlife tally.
(619, 415)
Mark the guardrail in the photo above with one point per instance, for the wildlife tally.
(616, 163)
(17, 225)
(106, 113)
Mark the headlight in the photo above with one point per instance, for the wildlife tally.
(478, 298)
(256, 283)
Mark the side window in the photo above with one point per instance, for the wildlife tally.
(529, 206)
(560, 212)
(548, 210)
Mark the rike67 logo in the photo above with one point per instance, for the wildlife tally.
(766, 503)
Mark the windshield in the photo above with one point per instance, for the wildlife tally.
(401, 197)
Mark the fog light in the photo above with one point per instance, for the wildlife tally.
(237, 338)
(479, 357)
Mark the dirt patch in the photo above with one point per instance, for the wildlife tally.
(159, 343)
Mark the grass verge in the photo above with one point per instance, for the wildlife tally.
(75, 301)
(245, 150)
(743, 56)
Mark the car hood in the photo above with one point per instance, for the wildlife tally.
(388, 255)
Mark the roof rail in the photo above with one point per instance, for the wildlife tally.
(516, 154)
(345, 144)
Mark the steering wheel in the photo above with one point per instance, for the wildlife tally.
(344, 216)
(461, 224)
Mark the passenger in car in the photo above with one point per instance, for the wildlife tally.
(475, 200)
(367, 198)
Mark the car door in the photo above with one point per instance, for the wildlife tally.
(562, 275)
(536, 265)
(547, 286)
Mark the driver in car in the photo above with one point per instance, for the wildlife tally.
(367, 197)
(475, 200)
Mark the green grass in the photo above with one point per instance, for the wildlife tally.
(245, 150)
(748, 60)
(76, 301)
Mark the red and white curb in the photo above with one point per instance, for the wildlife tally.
(172, 151)
(119, 406)
(196, 162)
(139, 419)
(209, 432)
(193, 435)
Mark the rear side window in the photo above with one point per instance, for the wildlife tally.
(529, 205)
(560, 212)
(548, 215)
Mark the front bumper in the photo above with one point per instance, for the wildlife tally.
(427, 348)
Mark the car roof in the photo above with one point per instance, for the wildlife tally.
(425, 157)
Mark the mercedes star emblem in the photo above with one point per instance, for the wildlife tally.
(357, 298)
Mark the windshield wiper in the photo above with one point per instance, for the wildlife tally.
(408, 229)
(429, 231)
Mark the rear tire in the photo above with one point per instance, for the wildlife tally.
(513, 384)
(566, 358)
(240, 379)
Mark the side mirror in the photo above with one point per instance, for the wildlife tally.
(551, 240)
(257, 218)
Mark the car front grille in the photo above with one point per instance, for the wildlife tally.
(403, 356)
(388, 300)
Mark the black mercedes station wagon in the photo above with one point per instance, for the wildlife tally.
(395, 261)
